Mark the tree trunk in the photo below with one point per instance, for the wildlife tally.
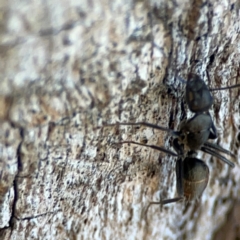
(67, 68)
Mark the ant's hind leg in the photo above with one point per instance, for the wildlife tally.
(180, 190)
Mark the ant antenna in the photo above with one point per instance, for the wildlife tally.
(224, 88)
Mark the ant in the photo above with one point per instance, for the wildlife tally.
(191, 173)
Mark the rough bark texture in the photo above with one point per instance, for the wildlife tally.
(67, 67)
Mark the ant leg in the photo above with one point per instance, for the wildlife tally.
(171, 132)
(180, 191)
(217, 147)
(162, 149)
(167, 201)
(215, 154)
(164, 202)
(182, 80)
(178, 147)
(179, 175)
(213, 131)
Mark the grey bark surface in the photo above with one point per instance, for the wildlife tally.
(68, 67)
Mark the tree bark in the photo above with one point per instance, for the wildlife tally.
(69, 67)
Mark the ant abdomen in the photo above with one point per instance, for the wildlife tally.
(195, 179)
(192, 179)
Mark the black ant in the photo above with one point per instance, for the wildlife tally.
(194, 133)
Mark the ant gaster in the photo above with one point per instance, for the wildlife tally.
(192, 173)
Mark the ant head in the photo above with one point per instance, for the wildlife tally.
(198, 96)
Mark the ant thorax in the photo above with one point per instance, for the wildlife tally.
(195, 131)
